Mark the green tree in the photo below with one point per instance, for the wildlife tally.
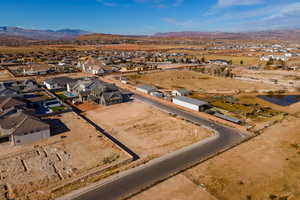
(241, 62)
(270, 61)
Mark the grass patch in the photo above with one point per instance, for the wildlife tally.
(62, 96)
(58, 108)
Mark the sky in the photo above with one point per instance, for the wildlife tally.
(151, 16)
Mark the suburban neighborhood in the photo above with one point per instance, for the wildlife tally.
(150, 100)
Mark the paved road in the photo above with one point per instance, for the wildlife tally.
(131, 181)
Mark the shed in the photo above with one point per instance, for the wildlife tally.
(193, 104)
(227, 118)
(157, 94)
(146, 88)
(181, 92)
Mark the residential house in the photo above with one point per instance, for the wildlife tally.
(7, 92)
(97, 91)
(58, 82)
(11, 102)
(274, 57)
(82, 88)
(22, 128)
(13, 88)
(219, 62)
(94, 66)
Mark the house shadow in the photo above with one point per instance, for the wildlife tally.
(56, 126)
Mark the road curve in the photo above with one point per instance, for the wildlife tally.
(134, 180)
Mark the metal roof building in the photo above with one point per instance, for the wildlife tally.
(146, 88)
(190, 103)
(227, 118)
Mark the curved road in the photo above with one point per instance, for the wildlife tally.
(134, 180)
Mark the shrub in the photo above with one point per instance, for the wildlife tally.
(272, 196)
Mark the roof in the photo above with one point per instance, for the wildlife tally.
(63, 80)
(21, 123)
(111, 96)
(232, 119)
(218, 60)
(183, 91)
(7, 92)
(191, 101)
(9, 102)
(37, 99)
(146, 87)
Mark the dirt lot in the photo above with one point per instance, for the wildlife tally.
(87, 106)
(175, 188)
(263, 168)
(247, 60)
(196, 82)
(4, 75)
(35, 168)
(145, 129)
(143, 47)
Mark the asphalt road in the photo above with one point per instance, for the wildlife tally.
(131, 181)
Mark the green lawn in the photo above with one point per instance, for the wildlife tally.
(58, 108)
(62, 96)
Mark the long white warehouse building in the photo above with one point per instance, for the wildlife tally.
(190, 103)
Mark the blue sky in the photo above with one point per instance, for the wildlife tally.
(151, 16)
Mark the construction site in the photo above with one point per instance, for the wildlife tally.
(33, 171)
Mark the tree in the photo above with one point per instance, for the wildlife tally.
(203, 59)
(270, 61)
(281, 62)
(230, 62)
(241, 62)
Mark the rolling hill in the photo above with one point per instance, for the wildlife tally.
(41, 34)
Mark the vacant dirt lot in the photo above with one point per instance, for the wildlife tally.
(4, 75)
(45, 164)
(196, 82)
(175, 188)
(263, 168)
(145, 129)
(86, 106)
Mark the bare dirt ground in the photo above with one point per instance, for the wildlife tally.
(143, 47)
(30, 171)
(145, 129)
(266, 167)
(86, 106)
(175, 188)
(196, 82)
(4, 75)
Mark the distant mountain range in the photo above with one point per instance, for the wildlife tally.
(16, 35)
(41, 34)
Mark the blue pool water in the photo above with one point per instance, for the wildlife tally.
(69, 94)
(282, 100)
